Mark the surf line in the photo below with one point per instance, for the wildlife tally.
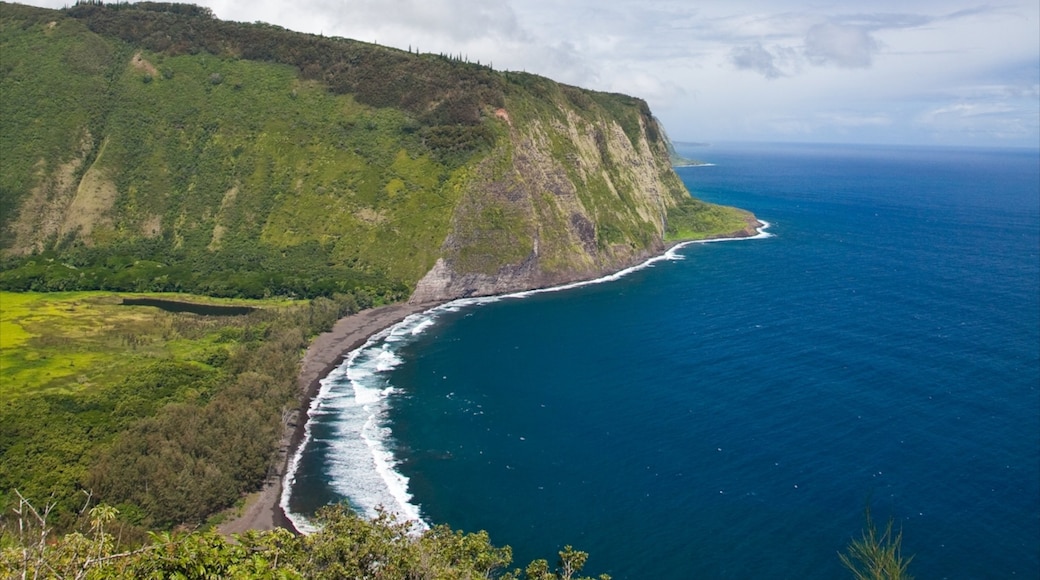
(356, 388)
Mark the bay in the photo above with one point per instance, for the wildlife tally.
(729, 414)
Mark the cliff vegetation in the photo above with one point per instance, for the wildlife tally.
(152, 147)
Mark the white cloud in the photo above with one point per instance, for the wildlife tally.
(963, 111)
(844, 46)
(996, 121)
(756, 58)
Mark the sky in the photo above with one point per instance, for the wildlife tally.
(909, 72)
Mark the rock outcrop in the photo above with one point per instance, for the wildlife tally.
(569, 195)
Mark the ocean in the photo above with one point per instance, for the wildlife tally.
(729, 410)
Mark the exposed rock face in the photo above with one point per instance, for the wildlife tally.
(559, 201)
(442, 283)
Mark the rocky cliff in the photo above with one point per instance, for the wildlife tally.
(567, 195)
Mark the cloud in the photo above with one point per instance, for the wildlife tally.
(799, 41)
(803, 39)
(892, 20)
(964, 111)
(1001, 121)
(841, 41)
(756, 58)
(388, 21)
(843, 46)
(458, 21)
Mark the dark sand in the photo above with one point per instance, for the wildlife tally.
(326, 352)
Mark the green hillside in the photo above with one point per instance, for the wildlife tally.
(151, 147)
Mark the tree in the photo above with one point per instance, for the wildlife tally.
(570, 563)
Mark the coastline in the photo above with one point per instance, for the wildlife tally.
(262, 510)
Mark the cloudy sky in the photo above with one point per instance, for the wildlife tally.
(948, 72)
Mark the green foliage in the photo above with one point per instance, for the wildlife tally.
(490, 234)
(54, 77)
(629, 112)
(877, 555)
(437, 91)
(172, 417)
(346, 546)
(231, 173)
(571, 562)
(156, 148)
(696, 220)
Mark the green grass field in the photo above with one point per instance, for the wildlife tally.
(71, 341)
(697, 220)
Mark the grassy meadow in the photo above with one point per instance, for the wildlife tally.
(69, 342)
(697, 220)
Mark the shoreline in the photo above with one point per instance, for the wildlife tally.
(262, 510)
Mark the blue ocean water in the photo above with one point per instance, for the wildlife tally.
(730, 413)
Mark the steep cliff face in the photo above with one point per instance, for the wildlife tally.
(565, 195)
(153, 147)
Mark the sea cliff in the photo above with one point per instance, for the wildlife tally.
(152, 147)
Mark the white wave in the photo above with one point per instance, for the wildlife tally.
(299, 521)
(386, 361)
(362, 466)
(412, 325)
(673, 253)
(420, 328)
(375, 437)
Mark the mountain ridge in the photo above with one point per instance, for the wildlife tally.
(171, 151)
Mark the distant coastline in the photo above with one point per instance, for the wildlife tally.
(678, 160)
(690, 163)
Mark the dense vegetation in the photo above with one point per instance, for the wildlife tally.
(152, 147)
(346, 547)
(203, 156)
(693, 219)
(169, 417)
